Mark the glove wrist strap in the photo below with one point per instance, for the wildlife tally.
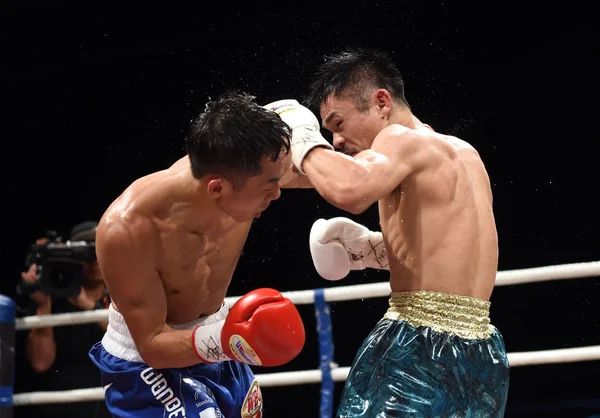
(375, 252)
(304, 139)
(206, 341)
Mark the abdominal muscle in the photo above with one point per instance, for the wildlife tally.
(198, 288)
(196, 270)
(197, 295)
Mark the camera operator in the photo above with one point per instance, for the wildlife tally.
(61, 278)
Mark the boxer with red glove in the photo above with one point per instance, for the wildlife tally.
(263, 328)
(168, 248)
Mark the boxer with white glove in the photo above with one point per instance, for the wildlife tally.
(306, 133)
(339, 245)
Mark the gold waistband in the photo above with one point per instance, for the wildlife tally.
(464, 316)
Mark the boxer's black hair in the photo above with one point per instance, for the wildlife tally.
(355, 74)
(232, 136)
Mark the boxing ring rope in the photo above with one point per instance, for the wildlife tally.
(302, 377)
(329, 372)
(341, 293)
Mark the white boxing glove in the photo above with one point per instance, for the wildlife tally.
(339, 245)
(306, 134)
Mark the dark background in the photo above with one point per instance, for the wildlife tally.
(95, 97)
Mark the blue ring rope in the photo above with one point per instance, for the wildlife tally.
(323, 315)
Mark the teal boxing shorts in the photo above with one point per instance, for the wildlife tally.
(432, 355)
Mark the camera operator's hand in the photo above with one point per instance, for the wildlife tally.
(83, 301)
(41, 348)
(43, 300)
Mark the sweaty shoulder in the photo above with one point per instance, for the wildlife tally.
(126, 246)
(425, 138)
(134, 211)
(395, 132)
(122, 225)
(401, 136)
(463, 149)
(130, 218)
(402, 145)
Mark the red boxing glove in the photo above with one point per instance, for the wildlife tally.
(263, 328)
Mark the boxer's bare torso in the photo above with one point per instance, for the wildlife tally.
(181, 241)
(433, 193)
(438, 225)
(191, 248)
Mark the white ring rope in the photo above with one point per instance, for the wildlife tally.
(341, 293)
(56, 320)
(338, 374)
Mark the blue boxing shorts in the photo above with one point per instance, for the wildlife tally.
(431, 355)
(134, 389)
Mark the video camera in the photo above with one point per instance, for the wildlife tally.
(60, 265)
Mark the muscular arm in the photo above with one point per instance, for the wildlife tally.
(355, 183)
(127, 256)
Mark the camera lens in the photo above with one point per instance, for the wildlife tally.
(61, 278)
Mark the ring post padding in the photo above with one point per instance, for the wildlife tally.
(323, 315)
(7, 355)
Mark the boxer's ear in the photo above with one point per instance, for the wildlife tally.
(219, 187)
(383, 101)
(214, 187)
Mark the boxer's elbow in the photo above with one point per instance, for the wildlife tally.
(155, 359)
(356, 207)
(147, 353)
(156, 363)
(152, 354)
(349, 197)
